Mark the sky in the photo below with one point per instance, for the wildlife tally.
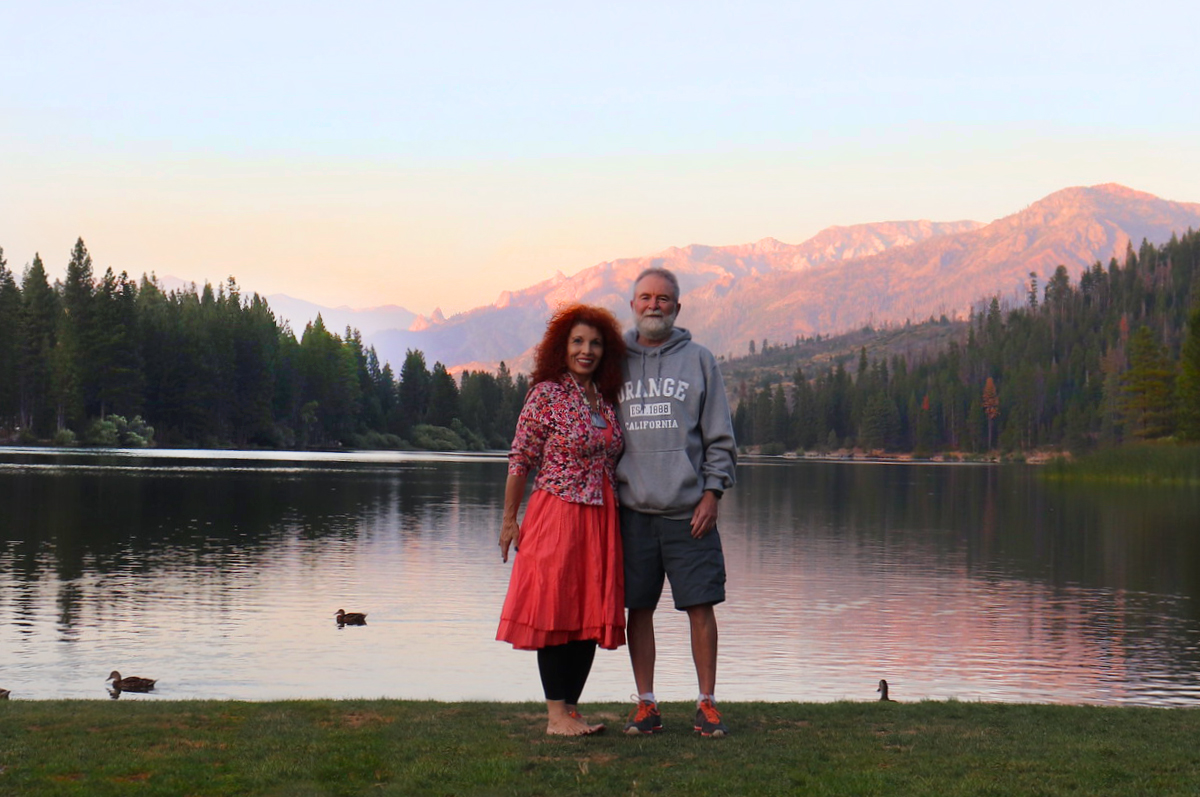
(435, 154)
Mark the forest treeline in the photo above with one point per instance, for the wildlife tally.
(111, 361)
(1113, 357)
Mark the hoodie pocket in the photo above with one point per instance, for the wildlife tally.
(659, 482)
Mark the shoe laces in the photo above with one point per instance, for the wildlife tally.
(643, 709)
(710, 712)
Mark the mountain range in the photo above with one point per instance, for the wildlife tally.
(840, 279)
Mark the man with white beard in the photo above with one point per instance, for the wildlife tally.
(679, 459)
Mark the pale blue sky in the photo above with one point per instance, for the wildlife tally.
(435, 154)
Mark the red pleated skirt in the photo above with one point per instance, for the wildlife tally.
(568, 579)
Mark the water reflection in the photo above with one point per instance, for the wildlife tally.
(969, 583)
(219, 575)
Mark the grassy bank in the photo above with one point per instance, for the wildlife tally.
(1146, 463)
(151, 747)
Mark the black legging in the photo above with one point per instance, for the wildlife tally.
(565, 669)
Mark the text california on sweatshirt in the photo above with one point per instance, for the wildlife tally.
(678, 431)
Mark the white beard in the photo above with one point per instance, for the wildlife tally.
(656, 328)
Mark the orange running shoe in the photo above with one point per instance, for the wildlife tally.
(644, 719)
(708, 720)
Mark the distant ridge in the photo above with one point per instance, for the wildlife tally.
(840, 279)
(506, 329)
(298, 313)
(1074, 227)
(369, 321)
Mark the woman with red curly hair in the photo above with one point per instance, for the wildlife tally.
(566, 593)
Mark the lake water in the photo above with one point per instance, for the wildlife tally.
(220, 573)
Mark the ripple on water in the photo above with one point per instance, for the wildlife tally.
(220, 574)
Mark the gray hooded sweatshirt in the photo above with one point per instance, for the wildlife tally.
(678, 431)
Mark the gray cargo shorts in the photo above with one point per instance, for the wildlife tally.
(655, 547)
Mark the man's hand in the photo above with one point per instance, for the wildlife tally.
(704, 517)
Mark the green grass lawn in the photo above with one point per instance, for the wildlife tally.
(152, 747)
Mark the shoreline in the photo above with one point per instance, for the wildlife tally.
(839, 455)
(908, 457)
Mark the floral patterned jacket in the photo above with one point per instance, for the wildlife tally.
(555, 437)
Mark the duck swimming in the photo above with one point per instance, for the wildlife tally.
(350, 618)
(130, 684)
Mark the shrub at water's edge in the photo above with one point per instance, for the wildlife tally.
(1143, 463)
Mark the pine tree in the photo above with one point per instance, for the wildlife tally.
(760, 417)
(479, 398)
(804, 414)
(72, 364)
(1148, 388)
(1112, 366)
(1189, 380)
(1058, 291)
(512, 399)
(924, 433)
(741, 422)
(374, 414)
(413, 391)
(331, 387)
(994, 324)
(288, 402)
(781, 419)
(878, 422)
(840, 404)
(38, 336)
(255, 369)
(443, 397)
(116, 353)
(389, 397)
(163, 365)
(991, 407)
(10, 345)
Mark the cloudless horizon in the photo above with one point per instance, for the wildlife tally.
(434, 156)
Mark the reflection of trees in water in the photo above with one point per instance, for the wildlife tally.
(435, 499)
(69, 596)
(116, 521)
(1142, 539)
(921, 508)
(994, 520)
(1113, 571)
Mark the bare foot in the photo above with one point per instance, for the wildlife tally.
(568, 726)
(573, 712)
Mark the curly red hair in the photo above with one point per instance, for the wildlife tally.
(550, 357)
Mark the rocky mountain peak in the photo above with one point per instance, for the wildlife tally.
(839, 279)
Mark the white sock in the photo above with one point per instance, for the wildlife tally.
(703, 697)
(648, 697)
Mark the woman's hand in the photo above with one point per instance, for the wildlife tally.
(510, 534)
(510, 529)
